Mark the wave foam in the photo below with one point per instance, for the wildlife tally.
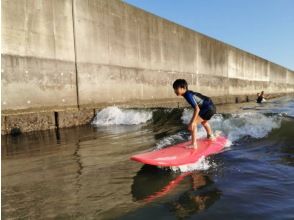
(201, 164)
(169, 140)
(237, 126)
(116, 116)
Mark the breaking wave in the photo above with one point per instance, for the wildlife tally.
(234, 126)
(201, 164)
(237, 126)
(116, 116)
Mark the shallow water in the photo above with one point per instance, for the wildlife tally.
(85, 172)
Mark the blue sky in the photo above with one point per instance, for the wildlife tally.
(262, 27)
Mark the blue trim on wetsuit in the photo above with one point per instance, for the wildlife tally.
(189, 96)
(194, 99)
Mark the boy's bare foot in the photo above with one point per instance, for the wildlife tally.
(211, 137)
(194, 146)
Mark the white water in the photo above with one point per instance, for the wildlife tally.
(116, 116)
(201, 164)
(169, 140)
(237, 126)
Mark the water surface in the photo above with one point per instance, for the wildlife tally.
(85, 172)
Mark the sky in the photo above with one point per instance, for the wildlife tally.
(262, 27)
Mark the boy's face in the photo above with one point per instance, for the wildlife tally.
(180, 91)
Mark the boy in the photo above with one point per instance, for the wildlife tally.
(203, 107)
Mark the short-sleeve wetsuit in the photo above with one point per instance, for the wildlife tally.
(207, 108)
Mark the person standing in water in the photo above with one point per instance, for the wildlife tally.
(260, 97)
(203, 107)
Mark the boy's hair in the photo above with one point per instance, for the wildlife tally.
(180, 83)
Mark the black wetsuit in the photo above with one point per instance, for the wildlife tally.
(207, 108)
(259, 99)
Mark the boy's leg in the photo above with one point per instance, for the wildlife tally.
(207, 115)
(194, 136)
(207, 128)
(194, 132)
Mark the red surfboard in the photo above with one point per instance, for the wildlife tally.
(180, 154)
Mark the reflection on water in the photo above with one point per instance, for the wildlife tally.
(202, 194)
(85, 172)
(199, 193)
(163, 182)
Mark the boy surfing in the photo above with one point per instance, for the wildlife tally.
(203, 107)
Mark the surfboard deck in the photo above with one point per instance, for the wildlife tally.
(180, 154)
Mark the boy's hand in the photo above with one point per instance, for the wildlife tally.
(191, 126)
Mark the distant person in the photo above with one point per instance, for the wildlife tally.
(260, 97)
(203, 107)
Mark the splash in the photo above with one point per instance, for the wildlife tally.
(170, 140)
(201, 164)
(176, 138)
(187, 115)
(237, 126)
(254, 125)
(234, 126)
(116, 116)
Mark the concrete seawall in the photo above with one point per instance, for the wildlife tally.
(64, 59)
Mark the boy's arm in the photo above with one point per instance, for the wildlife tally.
(195, 114)
(194, 118)
(196, 108)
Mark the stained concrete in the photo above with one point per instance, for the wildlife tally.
(37, 55)
(68, 58)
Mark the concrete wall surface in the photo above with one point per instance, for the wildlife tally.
(38, 60)
(66, 55)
